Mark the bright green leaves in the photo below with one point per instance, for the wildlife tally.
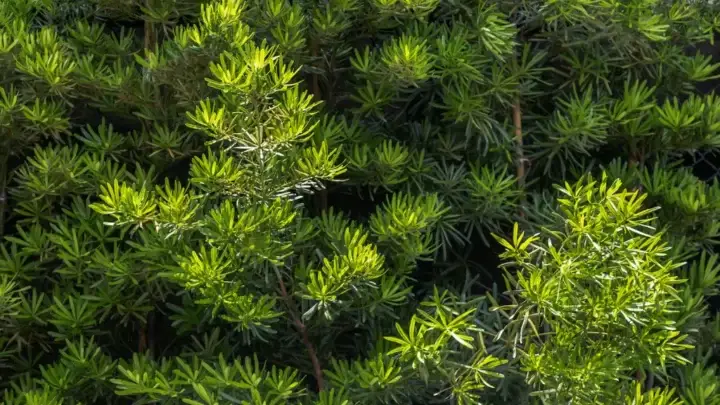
(176, 206)
(251, 70)
(390, 12)
(80, 373)
(256, 233)
(265, 119)
(655, 396)
(378, 379)
(455, 57)
(404, 226)
(423, 111)
(223, 18)
(46, 60)
(415, 347)
(354, 281)
(407, 60)
(320, 163)
(442, 349)
(354, 269)
(601, 275)
(240, 241)
(687, 202)
(204, 269)
(210, 118)
(691, 125)
(23, 121)
(333, 397)
(405, 223)
(173, 206)
(217, 173)
(125, 204)
(214, 382)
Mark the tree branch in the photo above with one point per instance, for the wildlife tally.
(315, 83)
(302, 329)
(519, 151)
(3, 190)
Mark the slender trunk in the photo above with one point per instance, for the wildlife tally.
(4, 158)
(636, 160)
(519, 151)
(150, 35)
(150, 43)
(332, 82)
(302, 329)
(151, 333)
(321, 196)
(649, 382)
(142, 336)
(322, 200)
(315, 82)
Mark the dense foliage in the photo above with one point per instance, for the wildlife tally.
(358, 202)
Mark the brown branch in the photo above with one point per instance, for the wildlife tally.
(519, 151)
(315, 86)
(303, 333)
(151, 43)
(321, 196)
(142, 336)
(636, 160)
(150, 35)
(3, 190)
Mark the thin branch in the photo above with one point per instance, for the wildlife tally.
(142, 337)
(321, 196)
(152, 38)
(636, 160)
(519, 151)
(150, 43)
(302, 329)
(315, 86)
(3, 190)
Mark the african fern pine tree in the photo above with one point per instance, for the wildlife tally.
(275, 202)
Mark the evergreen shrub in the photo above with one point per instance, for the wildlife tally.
(358, 202)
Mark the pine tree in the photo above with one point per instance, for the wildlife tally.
(270, 202)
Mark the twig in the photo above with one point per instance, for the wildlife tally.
(149, 44)
(142, 336)
(650, 382)
(315, 86)
(519, 152)
(303, 333)
(322, 200)
(3, 192)
(321, 196)
(636, 160)
(150, 35)
(151, 332)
